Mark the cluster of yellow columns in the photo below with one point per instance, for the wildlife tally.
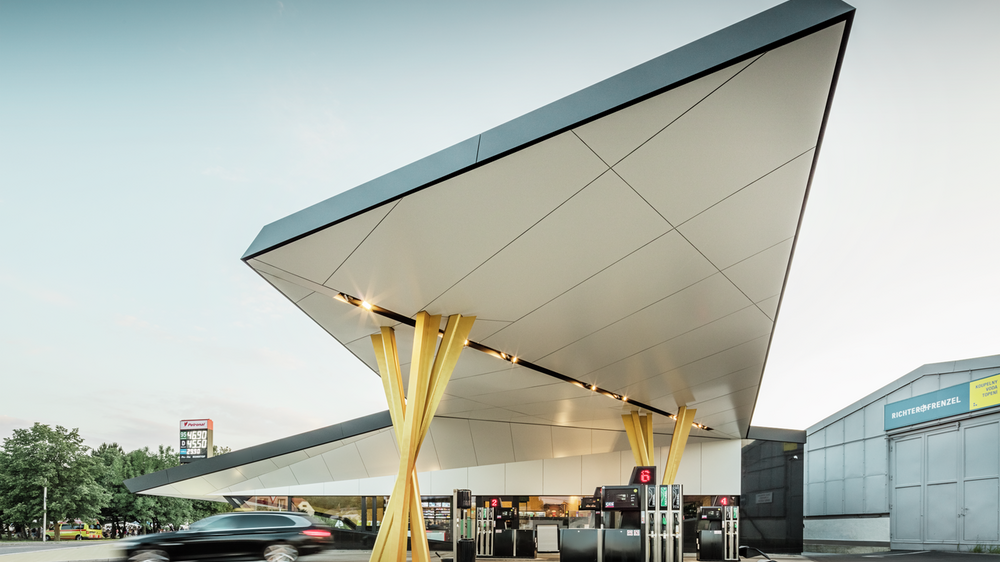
(430, 369)
(639, 429)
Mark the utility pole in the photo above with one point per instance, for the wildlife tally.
(45, 511)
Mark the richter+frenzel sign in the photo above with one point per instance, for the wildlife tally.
(954, 400)
(196, 440)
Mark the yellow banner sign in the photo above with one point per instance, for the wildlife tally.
(984, 392)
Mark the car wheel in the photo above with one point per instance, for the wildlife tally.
(149, 556)
(280, 553)
(79, 537)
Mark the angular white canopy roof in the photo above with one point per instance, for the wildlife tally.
(634, 236)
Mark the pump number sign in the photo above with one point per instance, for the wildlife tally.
(196, 440)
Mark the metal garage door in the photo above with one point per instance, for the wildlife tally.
(945, 484)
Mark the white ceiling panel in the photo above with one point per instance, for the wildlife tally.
(427, 460)
(472, 363)
(224, 478)
(294, 292)
(766, 115)
(770, 306)
(379, 454)
(450, 405)
(317, 451)
(593, 229)
(531, 441)
(732, 330)
(490, 414)
(761, 275)
(756, 218)
(615, 136)
(195, 487)
(686, 310)
(345, 463)
(318, 255)
(493, 442)
(740, 380)
(469, 211)
(512, 378)
(311, 470)
(255, 469)
(609, 296)
(281, 477)
(252, 484)
(484, 328)
(343, 321)
(453, 442)
(557, 390)
(691, 374)
(290, 458)
(586, 407)
(530, 420)
(720, 404)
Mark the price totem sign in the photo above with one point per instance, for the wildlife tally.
(196, 440)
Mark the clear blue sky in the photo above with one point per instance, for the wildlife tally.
(143, 145)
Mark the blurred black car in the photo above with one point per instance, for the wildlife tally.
(347, 535)
(273, 536)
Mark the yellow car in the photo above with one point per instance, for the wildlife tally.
(77, 531)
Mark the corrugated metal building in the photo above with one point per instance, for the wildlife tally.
(913, 465)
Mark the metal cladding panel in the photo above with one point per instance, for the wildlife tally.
(854, 459)
(854, 426)
(835, 497)
(907, 514)
(940, 522)
(876, 494)
(854, 495)
(981, 451)
(816, 499)
(982, 520)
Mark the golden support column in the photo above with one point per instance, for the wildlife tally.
(411, 419)
(682, 427)
(640, 437)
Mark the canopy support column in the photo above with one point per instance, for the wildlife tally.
(682, 427)
(640, 437)
(411, 419)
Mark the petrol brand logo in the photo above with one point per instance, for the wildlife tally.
(195, 424)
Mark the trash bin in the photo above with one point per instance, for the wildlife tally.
(466, 550)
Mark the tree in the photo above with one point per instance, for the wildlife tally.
(39, 457)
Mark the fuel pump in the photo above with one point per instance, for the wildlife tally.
(463, 533)
(638, 523)
(664, 524)
(486, 526)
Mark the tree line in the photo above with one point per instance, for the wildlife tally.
(86, 484)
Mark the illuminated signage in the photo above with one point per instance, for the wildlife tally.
(951, 401)
(643, 475)
(196, 440)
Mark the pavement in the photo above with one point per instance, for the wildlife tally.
(108, 551)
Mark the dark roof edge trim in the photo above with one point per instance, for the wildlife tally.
(309, 439)
(776, 434)
(767, 30)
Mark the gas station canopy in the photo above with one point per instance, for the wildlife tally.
(623, 248)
